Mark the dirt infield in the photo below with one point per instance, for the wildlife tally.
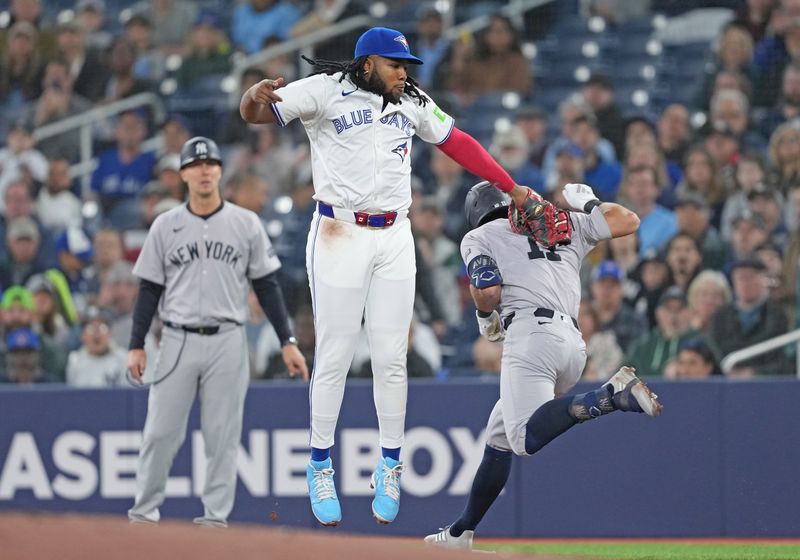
(81, 537)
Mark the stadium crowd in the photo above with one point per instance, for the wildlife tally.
(710, 163)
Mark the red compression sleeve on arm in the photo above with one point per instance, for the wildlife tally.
(467, 152)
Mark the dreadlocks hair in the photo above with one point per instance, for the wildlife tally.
(354, 69)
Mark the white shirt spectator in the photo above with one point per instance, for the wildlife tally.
(59, 211)
(106, 370)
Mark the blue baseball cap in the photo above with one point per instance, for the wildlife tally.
(572, 149)
(22, 339)
(385, 42)
(608, 269)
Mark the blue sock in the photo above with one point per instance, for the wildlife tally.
(391, 453)
(320, 455)
(555, 417)
(489, 481)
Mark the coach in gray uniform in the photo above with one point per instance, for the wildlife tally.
(196, 266)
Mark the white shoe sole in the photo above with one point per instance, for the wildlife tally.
(647, 399)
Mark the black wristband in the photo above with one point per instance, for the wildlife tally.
(484, 314)
(589, 206)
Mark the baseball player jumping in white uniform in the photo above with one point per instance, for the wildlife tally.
(527, 293)
(196, 266)
(361, 117)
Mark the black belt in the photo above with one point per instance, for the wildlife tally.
(195, 330)
(539, 312)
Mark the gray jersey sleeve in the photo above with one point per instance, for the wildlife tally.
(590, 228)
(150, 264)
(263, 258)
(474, 245)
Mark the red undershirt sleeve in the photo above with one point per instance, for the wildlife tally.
(467, 152)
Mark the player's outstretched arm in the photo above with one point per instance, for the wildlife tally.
(255, 105)
(621, 221)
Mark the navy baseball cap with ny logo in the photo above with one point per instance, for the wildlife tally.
(385, 42)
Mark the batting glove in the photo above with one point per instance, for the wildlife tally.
(580, 197)
(490, 327)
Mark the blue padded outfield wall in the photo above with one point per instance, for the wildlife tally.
(723, 460)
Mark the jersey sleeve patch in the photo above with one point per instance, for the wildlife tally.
(483, 272)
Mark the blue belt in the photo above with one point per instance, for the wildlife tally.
(362, 218)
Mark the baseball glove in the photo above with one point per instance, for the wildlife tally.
(541, 221)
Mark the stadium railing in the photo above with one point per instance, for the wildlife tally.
(738, 356)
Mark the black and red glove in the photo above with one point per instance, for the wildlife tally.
(541, 221)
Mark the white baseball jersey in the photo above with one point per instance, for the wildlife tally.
(534, 276)
(205, 263)
(360, 152)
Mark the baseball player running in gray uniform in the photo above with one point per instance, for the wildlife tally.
(196, 266)
(537, 292)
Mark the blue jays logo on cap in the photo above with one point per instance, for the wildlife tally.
(385, 42)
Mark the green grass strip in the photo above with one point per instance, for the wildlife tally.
(656, 551)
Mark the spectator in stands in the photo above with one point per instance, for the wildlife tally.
(749, 232)
(776, 50)
(684, 259)
(640, 190)
(30, 11)
(695, 361)
(91, 16)
(18, 313)
(722, 145)
(107, 251)
(100, 361)
(487, 356)
(768, 203)
(750, 174)
(21, 68)
(603, 177)
(122, 81)
(51, 318)
(57, 101)
(87, 67)
(732, 108)
(118, 292)
(654, 351)
(20, 160)
(615, 12)
(735, 54)
(569, 111)
(285, 64)
(700, 177)
(749, 319)
(624, 251)
(149, 63)
(754, 16)
(598, 93)
(533, 122)
(57, 207)
(648, 154)
(729, 79)
(19, 204)
(174, 19)
(492, 63)
(440, 254)
(603, 354)
(268, 153)
(771, 257)
(325, 13)
(791, 279)
(168, 176)
(234, 129)
(306, 340)
(510, 148)
(432, 47)
(791, 214)
(208, 55)
(175, 131)
(255, 20)
(449, 187)
(153, 194)
(23, 359)
(568, 169)
(652, 278)
(694, 218)
(706, 294)
(74, 249)
(249, 191)
(674, 132)
(607, 301)
(22, 241)
(788, 105)
(122, 172)
(784, 157)
(639, 129)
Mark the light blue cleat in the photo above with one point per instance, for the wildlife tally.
(386, 482)
(321, 490)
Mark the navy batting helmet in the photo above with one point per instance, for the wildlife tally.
(485, 202)
(200, 148)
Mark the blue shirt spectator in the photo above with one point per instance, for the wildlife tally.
(257, 20)
(656, 229)
(658, 224)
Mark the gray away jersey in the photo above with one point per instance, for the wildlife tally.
(532, 275)
(205, 264)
